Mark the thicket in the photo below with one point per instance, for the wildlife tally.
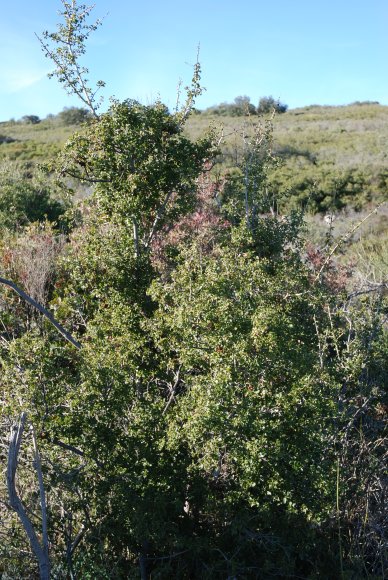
(26, 198)
(218, 409)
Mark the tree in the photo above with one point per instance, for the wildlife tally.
(144, 171)
(247, 193)
(243, 106)
(30, 119)
(143, 167)
(74, 116)
(268, 104)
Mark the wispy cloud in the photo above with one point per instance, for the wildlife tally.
(19, 78)
(22, 63)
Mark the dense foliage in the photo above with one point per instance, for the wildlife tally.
(224, 416)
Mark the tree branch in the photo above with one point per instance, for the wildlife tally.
(43, 311)
(345, 238)
(75, 450)
(16, 504)
(173, 391)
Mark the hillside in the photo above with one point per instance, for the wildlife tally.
(332, 157)
(32, 142)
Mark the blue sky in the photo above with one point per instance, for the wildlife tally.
(301, 51)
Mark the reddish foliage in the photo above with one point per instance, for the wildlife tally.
(335, 276)
(202, 225)
(30, 260)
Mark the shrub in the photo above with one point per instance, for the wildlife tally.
(30, 119)
(6, 139)
(240, 107)
(23, 200)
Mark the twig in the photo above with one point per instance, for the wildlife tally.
(345, 238)
(378, 288)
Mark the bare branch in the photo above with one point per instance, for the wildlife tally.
(42, 310)
(345, 238)
(78, 539)
(16, 504)
(383, 287)
(75, 450)
(173, 390)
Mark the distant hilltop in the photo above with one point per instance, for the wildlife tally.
(240, 107)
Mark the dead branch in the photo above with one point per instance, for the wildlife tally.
(173, 390)
(40, 551)
(43, 311)
(345, 238)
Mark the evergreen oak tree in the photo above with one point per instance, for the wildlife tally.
(192, 429)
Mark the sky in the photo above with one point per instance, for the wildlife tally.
(302, 52)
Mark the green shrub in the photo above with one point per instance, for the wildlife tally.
(23, 201)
